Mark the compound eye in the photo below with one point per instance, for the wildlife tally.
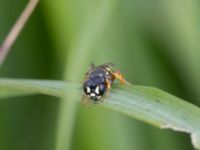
(102, 89)
(87, 89)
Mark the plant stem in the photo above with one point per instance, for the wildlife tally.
(14, 32)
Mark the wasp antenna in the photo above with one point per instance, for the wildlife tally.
(110, 64)
(91, 66)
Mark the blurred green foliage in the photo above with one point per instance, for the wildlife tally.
(154, 43)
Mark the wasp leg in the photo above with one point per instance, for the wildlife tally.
(108, 84)
(85, 100)
(119, 76)
(108, 87)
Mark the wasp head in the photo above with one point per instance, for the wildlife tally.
(95, 87)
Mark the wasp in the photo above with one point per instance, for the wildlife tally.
(98, 81)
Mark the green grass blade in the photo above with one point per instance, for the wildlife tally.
(11, 87)
(147, 104)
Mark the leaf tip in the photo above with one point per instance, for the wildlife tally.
(194, 138)
(195, 141)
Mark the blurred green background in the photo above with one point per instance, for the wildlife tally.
(154, 43)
